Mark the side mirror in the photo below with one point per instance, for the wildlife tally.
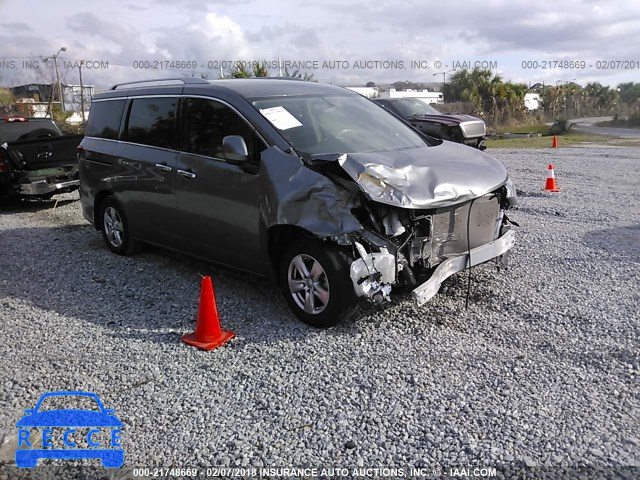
(235, 149)
(29, 411)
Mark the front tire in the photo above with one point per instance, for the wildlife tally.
(116, 232)
(314, 277)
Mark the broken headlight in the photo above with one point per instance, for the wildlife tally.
(512, 196)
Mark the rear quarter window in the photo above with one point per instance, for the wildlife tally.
(151, 121)
(104, 119)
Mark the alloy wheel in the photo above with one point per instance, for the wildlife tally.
(113, 227)
(308, 284)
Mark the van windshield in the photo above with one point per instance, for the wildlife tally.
(318, 124)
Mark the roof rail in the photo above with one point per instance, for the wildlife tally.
(160, 82)
(264, 78)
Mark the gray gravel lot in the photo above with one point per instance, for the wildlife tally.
(541, 370)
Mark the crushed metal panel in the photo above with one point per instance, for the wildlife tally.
(296, 195)
(437, 176)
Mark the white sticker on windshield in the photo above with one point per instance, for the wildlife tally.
(280, 118)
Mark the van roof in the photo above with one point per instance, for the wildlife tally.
(245, 87)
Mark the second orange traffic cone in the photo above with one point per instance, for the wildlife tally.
(550, 185)
(208, 334)
(554, 142)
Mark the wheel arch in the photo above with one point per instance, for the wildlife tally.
(278, 237)
(97, 223)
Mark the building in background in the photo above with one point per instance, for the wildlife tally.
(73, 97)
(424, 95)
(32, 100)
(369, 92)
(532, 101)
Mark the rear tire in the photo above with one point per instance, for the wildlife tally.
(314, 277)
(116, 231)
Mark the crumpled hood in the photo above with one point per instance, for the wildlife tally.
(423, 177)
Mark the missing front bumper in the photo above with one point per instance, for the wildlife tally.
(456, 264)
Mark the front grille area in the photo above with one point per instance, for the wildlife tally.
(472, 129)
(450, 227)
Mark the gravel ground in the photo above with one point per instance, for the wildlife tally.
(541, 370)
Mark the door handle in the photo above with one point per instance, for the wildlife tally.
(163, 167)
(186, 174)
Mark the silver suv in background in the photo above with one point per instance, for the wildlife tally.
(312, 185)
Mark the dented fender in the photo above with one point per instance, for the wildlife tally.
(296, 195)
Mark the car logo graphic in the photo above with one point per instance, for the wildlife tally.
(69, 418)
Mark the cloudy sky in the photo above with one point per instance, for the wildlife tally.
(350, 41)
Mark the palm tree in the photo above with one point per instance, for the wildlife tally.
(302, 75)
(242, 70)
(552, 99)
(470, 86)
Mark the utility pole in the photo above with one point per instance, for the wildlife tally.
(444, 75)
(55, 64)
(81, 90)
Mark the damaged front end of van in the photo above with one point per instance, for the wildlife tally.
(409, 220)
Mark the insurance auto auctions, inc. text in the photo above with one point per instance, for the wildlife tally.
(328, 472)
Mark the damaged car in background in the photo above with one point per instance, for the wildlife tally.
(313, 185)
(457, 127)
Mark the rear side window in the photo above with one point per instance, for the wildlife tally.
(207, 122)
(151, 121)
(104, 119)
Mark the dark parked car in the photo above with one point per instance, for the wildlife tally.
(36, 160)
(456, 127)
(311, 184)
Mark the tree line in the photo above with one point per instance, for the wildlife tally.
(501, 102)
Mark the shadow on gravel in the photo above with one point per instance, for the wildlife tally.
(523, 193)
(622, 242)
(481, 290)
(153, 296)
(16, 205)
(149, 297)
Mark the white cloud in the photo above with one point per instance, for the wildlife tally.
(501, 30)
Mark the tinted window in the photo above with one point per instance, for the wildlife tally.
(104, 119)
(151, 121)
(207, 122)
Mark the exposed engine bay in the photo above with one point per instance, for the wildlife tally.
(402, 247)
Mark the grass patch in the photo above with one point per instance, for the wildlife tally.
(569, 139)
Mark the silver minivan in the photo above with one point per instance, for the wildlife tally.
(312, 185)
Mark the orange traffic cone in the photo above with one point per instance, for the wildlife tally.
(208, 334)
(551, 186)
(554, 142)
